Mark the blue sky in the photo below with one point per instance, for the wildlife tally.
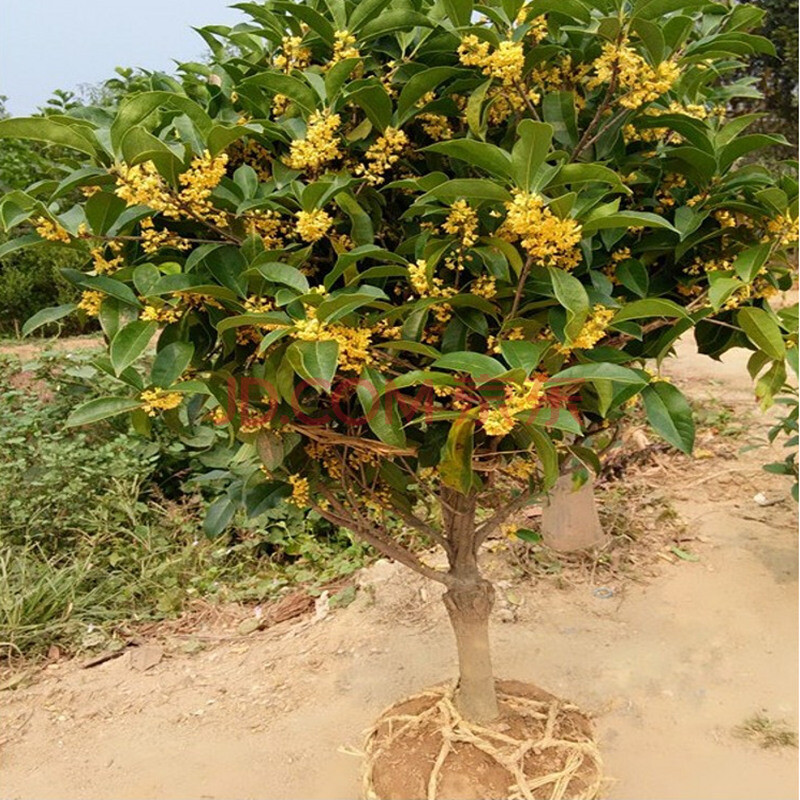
(57, 44)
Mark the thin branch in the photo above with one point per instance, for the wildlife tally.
(500, 516)
(523, 276)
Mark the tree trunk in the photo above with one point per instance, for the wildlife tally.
(469, 602)
(569, 517)
(468, 606)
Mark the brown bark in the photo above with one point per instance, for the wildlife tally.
(469, 606)
(469, 601)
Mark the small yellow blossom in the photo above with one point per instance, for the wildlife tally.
(51, 231)
(504, 63)
(320, 145)
(90, 303)
(550, 240)
(343, 47)
(594, 329)
(640, 82)
(164, 314)
(484, 286)
(313, 225)
(382, 155)
(293, 55)
(462, 221)
(155, 400)
(301, 493)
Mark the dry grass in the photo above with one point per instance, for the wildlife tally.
(765, 732)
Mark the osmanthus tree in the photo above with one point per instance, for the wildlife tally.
(414, 255)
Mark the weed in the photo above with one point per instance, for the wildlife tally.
(767, 733)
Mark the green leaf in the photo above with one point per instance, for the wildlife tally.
(763, 331)
(219, 516)
(293, 88)
(574, 174)
(654, 9)
(284, 274)
(558, 110)
(523, 355)
(633, 275)
(46, 129)
(381, 410)
(486, 156)
(530, 152)
(649, 307)
(750, 261)
(482, 368)
(376, 103)
(721, 287)
(314, 362)
(136, 108)
(602, 371)
(170, 363)
(459, 11)
(46, 316)
(569, 291)
(130, 343)
(102, 211)
(469, 189)
(455, 468)
(20, 243)
(418, 86)
(548, 456)
(101, 408)
(670, 414)
(626, 219)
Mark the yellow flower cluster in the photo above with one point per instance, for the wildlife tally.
(783, 229)
(484, 286)
(269, 226)
(550, 240)
(258, 305)
(103, 265)
(382, 155)
(313, 225)
(538, 25)
(525, 397)
(293, 55)
(165, 314)
(641, 82)
(437, 126)
(354, 343)
(301, 493)
(51, 231)
(320, 145)
(433, 287)
(521, 468)
(202, 177)
(143, 185)
(343, 47)
(90, 302)
(153, 240)
(594, 329)
(328, 456)
(505, 63)
(561, 76)
(155, 400)
(462, 221)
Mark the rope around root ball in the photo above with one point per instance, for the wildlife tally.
(506, 750)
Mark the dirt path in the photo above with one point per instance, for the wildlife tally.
(668, 666)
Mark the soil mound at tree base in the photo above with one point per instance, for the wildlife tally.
(540, 747)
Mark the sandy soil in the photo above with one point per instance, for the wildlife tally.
(668, 665)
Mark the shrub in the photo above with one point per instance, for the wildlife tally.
(413, 256)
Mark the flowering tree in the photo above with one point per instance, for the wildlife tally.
(415, 254)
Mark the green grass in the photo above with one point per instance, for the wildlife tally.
(100, 529)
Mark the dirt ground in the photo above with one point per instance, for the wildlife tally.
(668, 664)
